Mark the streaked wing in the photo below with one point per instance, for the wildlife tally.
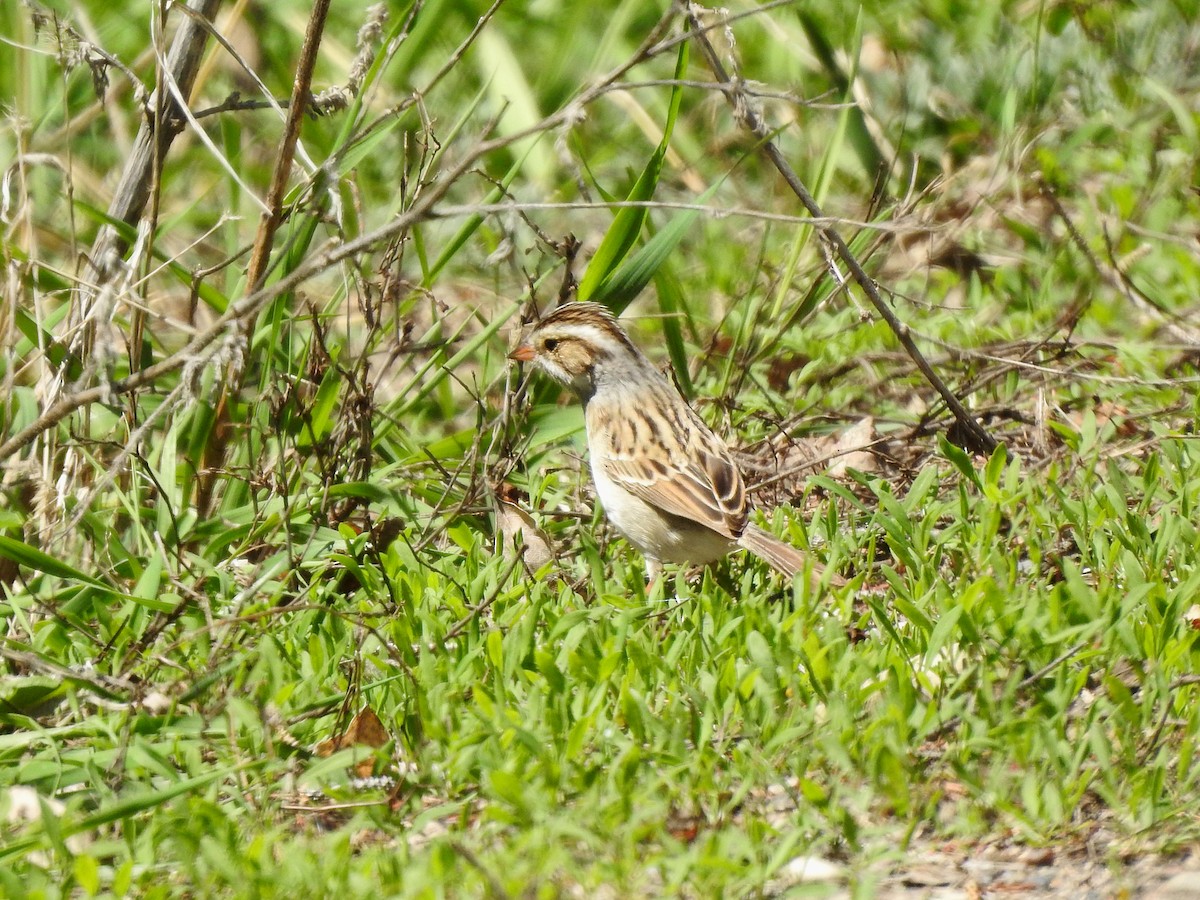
(699, 483)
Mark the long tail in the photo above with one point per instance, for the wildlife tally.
(784, 558)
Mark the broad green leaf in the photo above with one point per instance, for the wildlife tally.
(960, 459)
(629, 220)
(149, 585)
(627, 282)
(30, 557)
(54, 349)
(672, 303)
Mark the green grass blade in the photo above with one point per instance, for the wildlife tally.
(32, 558)
(619, 289)
(628, 222)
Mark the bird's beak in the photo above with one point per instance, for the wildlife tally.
(523, 353)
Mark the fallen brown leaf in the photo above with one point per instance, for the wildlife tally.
(365, 730)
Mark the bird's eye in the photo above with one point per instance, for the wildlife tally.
(550, 344)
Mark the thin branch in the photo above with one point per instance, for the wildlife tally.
(301, 96)
(332, 253)
(716, 212)
(746, 114)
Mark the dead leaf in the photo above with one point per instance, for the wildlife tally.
(366, 730)
(848, 448)
(519, 532)
(784, 463)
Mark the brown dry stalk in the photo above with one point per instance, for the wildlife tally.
(272, 216)
(301, 95)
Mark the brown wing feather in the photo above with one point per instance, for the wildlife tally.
(702, 484)
(681, 496)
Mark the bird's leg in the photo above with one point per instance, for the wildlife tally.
(654, 569)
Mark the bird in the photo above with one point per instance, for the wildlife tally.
(663, 477)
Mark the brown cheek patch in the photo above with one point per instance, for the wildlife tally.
(574, 357)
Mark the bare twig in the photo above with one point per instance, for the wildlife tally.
(301, 94)
(1116, 277)
(332, 253)
(746, 114)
